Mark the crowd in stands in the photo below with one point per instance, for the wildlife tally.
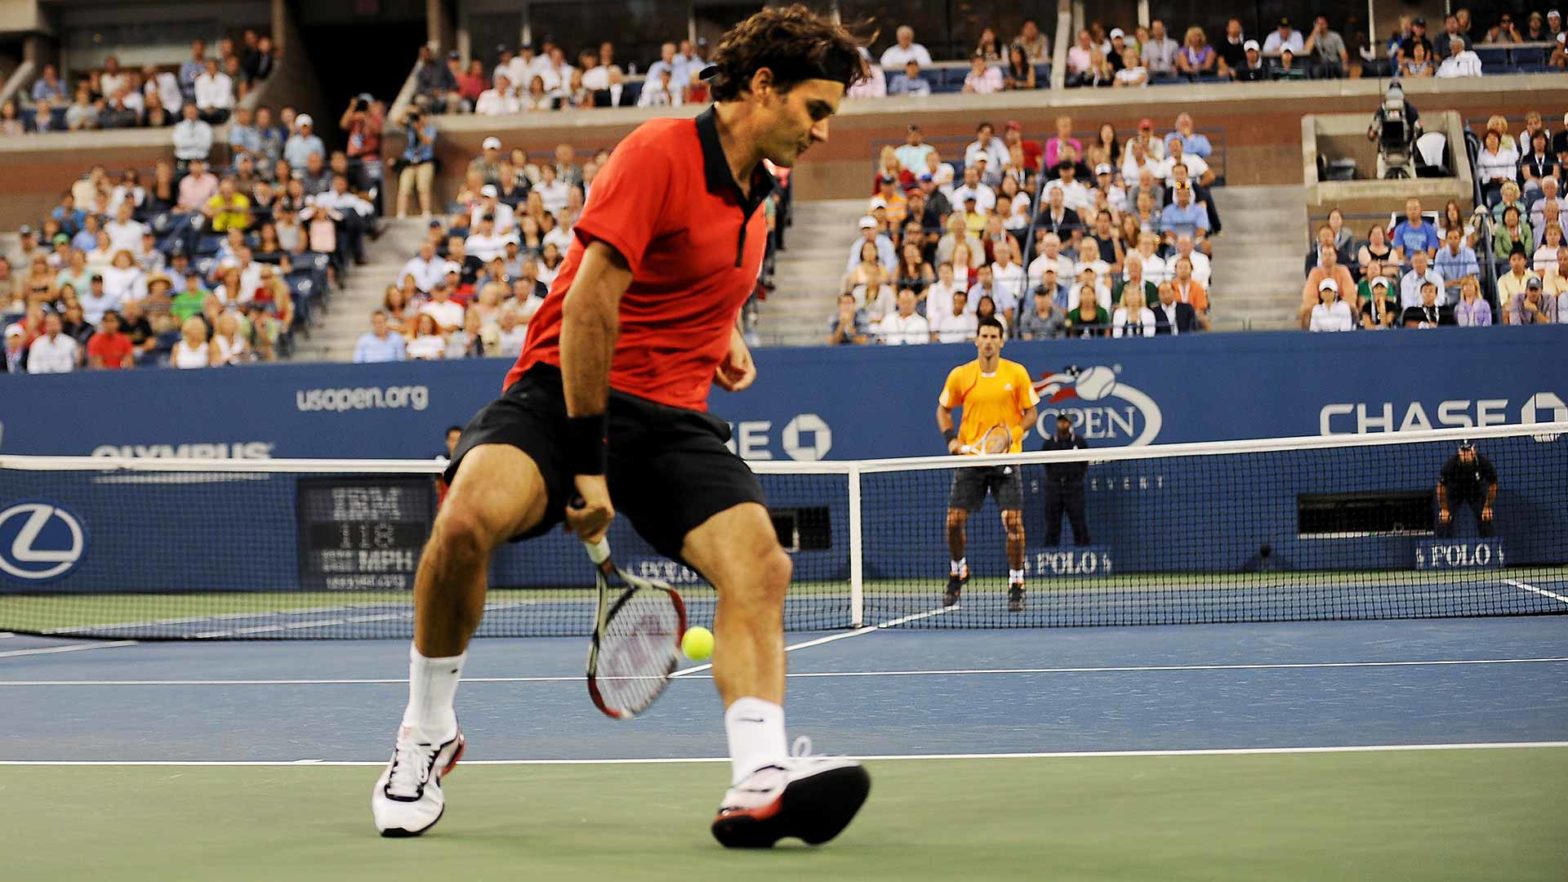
(201, 263)
(206, 86)
(489, 258)
(1118, 244)
(1504, 263)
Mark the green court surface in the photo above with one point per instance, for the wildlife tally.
(1389, 815)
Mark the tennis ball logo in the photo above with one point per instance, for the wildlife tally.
(1096, 383)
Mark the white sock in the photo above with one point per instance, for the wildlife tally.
(756, 734)
(432, 687)
(958, 566)
(1015, 576)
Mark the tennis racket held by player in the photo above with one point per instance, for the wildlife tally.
(636, 641)
(997, 439)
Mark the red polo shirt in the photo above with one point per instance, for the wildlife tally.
(112, 348)
(667, 201)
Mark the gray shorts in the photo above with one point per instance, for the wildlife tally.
(971, 485)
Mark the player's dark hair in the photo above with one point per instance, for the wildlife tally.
(451, 429)
(793, 42)
(990, 321)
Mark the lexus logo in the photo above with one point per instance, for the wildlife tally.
(39, 541)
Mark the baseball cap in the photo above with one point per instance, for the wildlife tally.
(1117, 32)
(878, 202)
(489, 190)
(61, 239)
(1284, 22)
(304, 120)
(1145, 123)
(1379, 280)
(1250, 46)
(1419, 21)
(15, 330)
(1328, 285)
(1467, 444)
(492, 143)
(971, 197)
(868, 222)
(1534, 283)
(1103, 168)
(452, 267)
(454, 55)
(926, 176)
(25, 230)
(435, 225)
(982, 158)
(1552, 13)
(1014, 125)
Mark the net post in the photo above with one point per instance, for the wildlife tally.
(857, 591)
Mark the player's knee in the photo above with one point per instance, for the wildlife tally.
(462, 535)
(956, 517)
(774, 570)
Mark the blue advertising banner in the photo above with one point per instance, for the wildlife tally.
(844, 403)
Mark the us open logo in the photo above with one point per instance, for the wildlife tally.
(1100, 406)
(40, 541)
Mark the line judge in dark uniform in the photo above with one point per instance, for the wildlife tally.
(1468, 478)
(1064, 486)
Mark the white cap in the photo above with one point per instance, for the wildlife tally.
(304, 120)
(868, 222)
(452, 266)
(14, 330)
(489, 190)
(1552, 13)
(1250, 46)
(878, 202)
(492, 143)
(1103, 168)
(1328, 285)
(1379, 280)
(1117, 32)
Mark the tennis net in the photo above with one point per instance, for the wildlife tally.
(1342, 527)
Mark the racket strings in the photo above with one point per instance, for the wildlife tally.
(638, 650)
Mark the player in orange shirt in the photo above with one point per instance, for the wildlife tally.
(998, 400)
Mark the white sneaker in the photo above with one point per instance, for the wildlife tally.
(408, 800)
(807, 796)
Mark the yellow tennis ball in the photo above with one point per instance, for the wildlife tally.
(697, 643)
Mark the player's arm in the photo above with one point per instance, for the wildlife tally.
(1030, 415)
(737, 370)
(590, 322)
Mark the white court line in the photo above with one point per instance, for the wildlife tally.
(939, 672)
(69, 647)
(1065, 754)
(1541, 591)
(807, 644)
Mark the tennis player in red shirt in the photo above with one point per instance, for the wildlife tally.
(608, 403)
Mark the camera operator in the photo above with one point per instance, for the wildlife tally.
(417, 165)
(362, 122)
(1395, 127)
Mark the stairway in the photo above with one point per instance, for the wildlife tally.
(808, 272)
(349, 315)
(1258, 257)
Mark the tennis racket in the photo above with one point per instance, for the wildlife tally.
(997, 439)
(636, 637)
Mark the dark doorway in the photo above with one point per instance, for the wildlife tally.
(370, 56)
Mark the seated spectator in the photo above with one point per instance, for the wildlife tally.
(1183, 217)
(1288, 69)
(303, 144)
(1196, 57)
(1512, 233)
(193, 350)
(1159, 52)
(1495, 166)
(1417, 64)
(1379, 305)
(1458, 60)
(214, 93)
(1545, 259)
(982, 78)
(849, 325)
(447, 313)
(1020, 72)
(1412, 282)
(660, 90)
(1546, 208)
(123, 280)
(1515, 282)
(909, 82)
(228, 345)
(54, 351)
(497, 100)
(469, 341)
(1472, 310)
(227, 209)
(904, 327)
(1455, 262)
(197, 188)
(1171, 316)
(1035, 44)
(1428, 313)
(1281, 38)
(952, 318)
(1414, 234)
(189, 301)
(1088, 318)
(435, 83)
(49, 86)
(192, 136)
(428, 343)
(905, 49)
(1132, 318)
(1134, 280)
(1043, 319)
(1252, 69)
(82, 113)
(1326, 50)
(1330, 313)
(1190, 290)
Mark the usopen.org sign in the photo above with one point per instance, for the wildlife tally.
(40, 541)
(1101, 406)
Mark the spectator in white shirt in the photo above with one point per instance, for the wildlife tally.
(426, 268)
(214, 94)
(910, 82)
(490, 205)
(1461, 61)
(192, 136)
(1159, 53)
(659, 91)
(956, 323)
(124, 231)
(552, 192)
(982, 78)
(1008, 276)
(873, 84)
(905, 50)
(1050, 257)
(1331, 313)
(987, 144)
(441, 307)
(1281, 38)
(1420, 273)
(53, 353)
(498, 99)
(484, 243)
(904, 327)
(984, 196)
(1133, 318)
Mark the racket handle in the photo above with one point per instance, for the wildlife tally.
(598, 552)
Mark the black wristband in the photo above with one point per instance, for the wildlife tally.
(950, 434)
(586, 446)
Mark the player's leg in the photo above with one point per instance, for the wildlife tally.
(966, 496)
(497, 493)
(772, 793)
(1007, 487)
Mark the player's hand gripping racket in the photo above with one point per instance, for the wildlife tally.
(997, 439)
(636, 637)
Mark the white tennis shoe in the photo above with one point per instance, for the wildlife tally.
(807, 796)
(407, 799)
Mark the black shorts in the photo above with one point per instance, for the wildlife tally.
(669, 470)
(971, 485)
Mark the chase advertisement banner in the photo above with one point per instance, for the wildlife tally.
(842, 403)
